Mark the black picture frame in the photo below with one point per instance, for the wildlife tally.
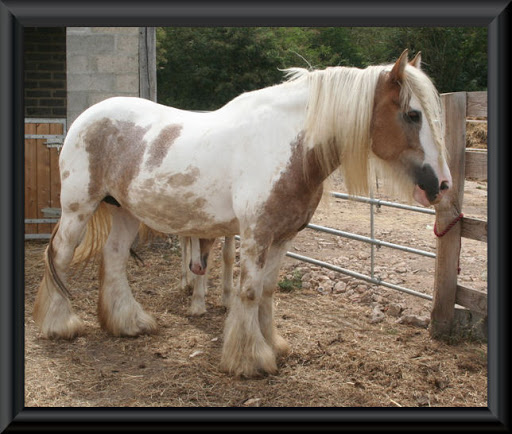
(17, 14)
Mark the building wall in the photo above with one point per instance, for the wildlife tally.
(45, 72)
(101, 62)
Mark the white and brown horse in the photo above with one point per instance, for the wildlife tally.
(255, 167)
(194, 259)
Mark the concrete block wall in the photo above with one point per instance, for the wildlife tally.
(101, 62)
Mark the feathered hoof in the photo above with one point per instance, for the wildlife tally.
(197, 309)
(281, 346)
(64, 329)
(252, 363)
(139, 324)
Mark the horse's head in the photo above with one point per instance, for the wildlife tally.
(406, 130)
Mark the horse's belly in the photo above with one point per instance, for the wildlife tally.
(185, 213)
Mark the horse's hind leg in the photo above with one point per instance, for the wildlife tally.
(52, 310)
(228, 258)
(118, 311)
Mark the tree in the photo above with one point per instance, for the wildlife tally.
(455, 57)
(203, 68)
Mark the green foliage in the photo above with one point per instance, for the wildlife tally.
(203, 68)
(291, 284)
(455, 57)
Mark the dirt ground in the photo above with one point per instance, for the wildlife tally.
(353, 344)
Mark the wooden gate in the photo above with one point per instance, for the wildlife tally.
(43, 140)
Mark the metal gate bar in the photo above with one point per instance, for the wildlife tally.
(369, 240)
(379, 203)
(358, 275)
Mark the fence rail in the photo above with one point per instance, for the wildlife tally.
(370, 240)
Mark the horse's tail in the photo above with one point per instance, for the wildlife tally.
(50, 266)
(95, 236)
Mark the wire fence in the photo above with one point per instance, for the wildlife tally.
(369, 240)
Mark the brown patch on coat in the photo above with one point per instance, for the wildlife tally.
(184, 179)
(260, 251)
(292, 201)
(116, 149)
(160, 146)
(245, 290)
(74, 206)
(176, 212)
(229, 228)
(248, 293)
(180, 212)
(65, 174)
(391, 134)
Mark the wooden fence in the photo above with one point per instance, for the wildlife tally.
(43, 138)
(463, 164)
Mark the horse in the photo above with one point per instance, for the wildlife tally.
(254, 167)
(194, 258)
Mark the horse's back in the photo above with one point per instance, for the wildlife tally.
(124, 109)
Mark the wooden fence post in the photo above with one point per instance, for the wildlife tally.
(448, 246)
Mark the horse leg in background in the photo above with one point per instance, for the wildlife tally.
(266, 310)
(118, 311)
(245, 351)
(197, 304)
(186, 276)
(199, 252)
(52, 309)
(228, 259)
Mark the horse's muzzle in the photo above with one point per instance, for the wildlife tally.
(429, 190)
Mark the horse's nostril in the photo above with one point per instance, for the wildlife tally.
(444, 186)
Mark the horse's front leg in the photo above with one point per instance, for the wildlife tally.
(266, 311)
(246, 352)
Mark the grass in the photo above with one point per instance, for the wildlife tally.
(291, 284)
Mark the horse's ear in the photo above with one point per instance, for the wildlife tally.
(416, 62)
(397, 73)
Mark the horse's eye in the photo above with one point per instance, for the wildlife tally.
(413, 116)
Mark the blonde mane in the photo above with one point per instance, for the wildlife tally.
(339, 114)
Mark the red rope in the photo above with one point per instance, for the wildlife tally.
(443, 233)
(451, 225)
